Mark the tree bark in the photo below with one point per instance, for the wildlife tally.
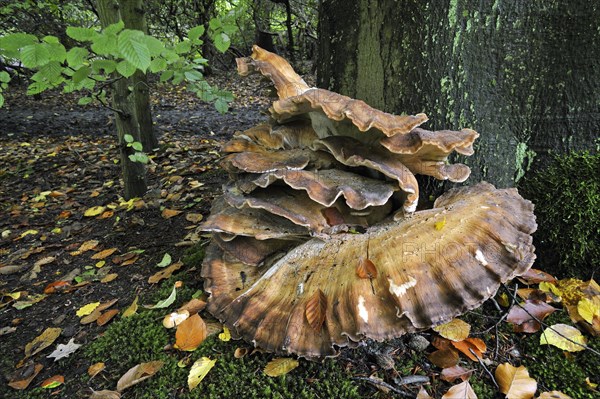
(134, 173)
(524, 74)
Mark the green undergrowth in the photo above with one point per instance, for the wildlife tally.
(566, 195)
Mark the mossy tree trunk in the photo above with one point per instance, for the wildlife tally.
(524, 74)
(134, 173)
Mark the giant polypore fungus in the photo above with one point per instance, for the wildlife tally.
(316, 242)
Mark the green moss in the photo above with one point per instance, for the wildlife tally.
(193, 257)
(556, 370)
(566, 195)
(483, 388)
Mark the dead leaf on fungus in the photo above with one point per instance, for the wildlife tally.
(280, 366)
(138, 373)
(190, 333)
(515, 382)
(460, 391)
(315, 309)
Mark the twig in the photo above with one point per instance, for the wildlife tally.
(385, 385)
(484, 367)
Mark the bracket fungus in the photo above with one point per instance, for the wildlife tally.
(317, 243)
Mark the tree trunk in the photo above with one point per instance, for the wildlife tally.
(133, 16)
(134, 173)
(524, 74)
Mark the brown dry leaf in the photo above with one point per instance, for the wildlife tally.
(42, 341)
(475, 344)
(240, 353)
(164, 273)
(515, 382)
(106, 215)
(88, 245)
(194, 217)
(454, 330)
(109, 277)
(190, 333)
(105, 394)
(44, 261)
(104, 254)
(92, 317)
(195, 305)
(53, 382)
(169, 213)
(23, 377)
(106, 305)
(366, 269)
(316, 306)
(535, 276)
(280, 366)
(423, 394)
(107, 316)
(553, 395)
(95, 368)
(444, 358)
(524, 316)
(176, 318)
(452, 373)
(460, 391)
(440, 343)
(138, 374)
(130, 261)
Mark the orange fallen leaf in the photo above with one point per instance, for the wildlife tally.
(475, 344)
(88, 245)
(53, 382)
(525, 317)
(315, 309)
(90, 318)
(169, 213)
(23, 377)
(104, 254)
(107, 316)
(57, 286)
(190, 333)
(534, 276)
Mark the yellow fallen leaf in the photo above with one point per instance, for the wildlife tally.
(588, 308)
(225, 335)
(42, 341)
(88, 245)
(564, 337)
(95, 368)
(590, 383)
(28, 232)
(515, 382)
(455, 330)
(280, 366)
(87, 309)
(94, 211)
(109, 277)
(132, 309)
(199, 370)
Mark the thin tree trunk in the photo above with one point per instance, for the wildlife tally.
(134, 173)
(288, 24)
(132, 13)
(524, 74)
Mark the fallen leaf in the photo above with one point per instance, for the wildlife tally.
(92, 317)
(165, 303)
(366, 269)
(553, 395)
(105, 394)
(107, 316)
(195, 305)
(240, 353)
(590, 383)
(452, 373)
(165, 273)
(444, 358)
(94, 211)
(199, 370)
(423, 394)
(454, 330)
(95, 368)
(474, 344)
(460, 391)
(515, 382)
(138, 373)
(88, 245)
(109, 277)
(166, 261)
(23, 377)
(42, 341)
(564, 337)
(194, 217)
(57, 286)
(589, 308)
(225, 336)
(130, 261)
(176, 318)
(44, 261)
(132, 309)
(169, 213)
(53, 382)
(280, 366)
(190, 333)
(524, 316)
(63, 351)
(315, 309)
(104, 254)
(87, 309)
(535, 276)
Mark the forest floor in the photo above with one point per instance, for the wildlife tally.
(69, 239)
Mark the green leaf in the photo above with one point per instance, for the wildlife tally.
(57, 52)
(133, 48)
(166, 302)
(155, 46)
(193, 75)
(81, 34)
(166, 261)
(108, 66)
(137, 146)
(34, 55)
(215, 23)
(195, 33)
(36, 88)
(4, 77)
(157, 65)
(126, 69)
(51, 39)
(166, 75)
(105, 44)
(222, 42)
(114, 28)
(183, 47)
(82, 73)
(84, 100)
(221, 106)
(1, 100)
(16, 41)
(50, 72)
(128, 138)
(76, 56)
